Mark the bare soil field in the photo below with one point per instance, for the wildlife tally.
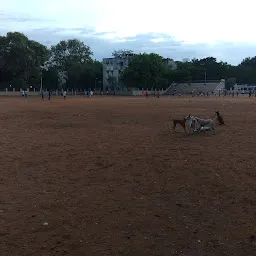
(107, 176)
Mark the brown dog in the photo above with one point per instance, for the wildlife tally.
(181, 122)
(219, 118)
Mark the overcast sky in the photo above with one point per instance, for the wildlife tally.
(173, 28)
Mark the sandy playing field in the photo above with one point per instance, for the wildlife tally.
(106, 176)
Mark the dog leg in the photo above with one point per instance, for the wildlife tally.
(174, 125)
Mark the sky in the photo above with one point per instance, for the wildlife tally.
(177, 29)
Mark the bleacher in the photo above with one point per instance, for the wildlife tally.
(187, 88)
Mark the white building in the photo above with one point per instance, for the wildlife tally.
(112, 69)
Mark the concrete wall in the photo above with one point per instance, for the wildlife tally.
(143, 92)
(74, 93)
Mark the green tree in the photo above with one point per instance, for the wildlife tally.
(75, 58)
(230, 82)
(20, 59)
(70, 52)
(145, 70)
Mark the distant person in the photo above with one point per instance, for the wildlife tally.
(26, 93)
(250, 94)
(147, 93)
(64, 94)
(237, 94)
(42, 95)
(23, 93)
(49, 94)
(91, 93)
(114, 93)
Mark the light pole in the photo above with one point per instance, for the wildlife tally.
(204, 76)
(45, 67)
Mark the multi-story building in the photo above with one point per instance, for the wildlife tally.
(170, 63)
(113, 67)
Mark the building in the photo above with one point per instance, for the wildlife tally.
(170, 63)
(113, 67)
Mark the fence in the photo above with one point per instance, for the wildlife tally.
(34, 92)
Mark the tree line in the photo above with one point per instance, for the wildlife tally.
(70, 64)
(25, 63)
(149, 71)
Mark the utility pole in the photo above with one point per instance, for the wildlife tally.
(204, 76)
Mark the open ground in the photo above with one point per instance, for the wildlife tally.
(106, 176)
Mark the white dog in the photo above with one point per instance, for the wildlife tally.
(197, 125)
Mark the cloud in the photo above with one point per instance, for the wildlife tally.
(103, 46)
(20, 18)
(176, 29)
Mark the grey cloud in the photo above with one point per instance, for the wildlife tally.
(102, 48)
(103, 33)
(16, 17)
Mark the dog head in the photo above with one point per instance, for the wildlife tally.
(187, 117)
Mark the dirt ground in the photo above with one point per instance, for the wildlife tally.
(106, 176)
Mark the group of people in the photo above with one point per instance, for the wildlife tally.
(89, 93)
(25, 93)
(156, 93)
(64, 93)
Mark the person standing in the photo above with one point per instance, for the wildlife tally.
(49, 94)
(64, 94)
(42, 95)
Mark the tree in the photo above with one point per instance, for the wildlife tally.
(20, 59)
(67, 53)
(145, 70)
(230, 82)
(74, 59)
